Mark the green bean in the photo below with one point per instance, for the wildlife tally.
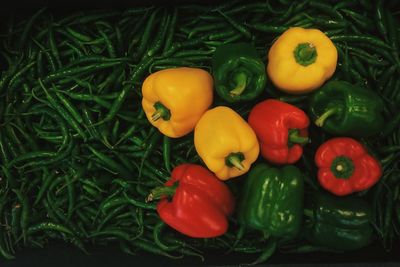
(146, 34)
(170, 32)
(119, 234)
(115, 129)
(206, 28)
(158, 42)
(73, 111)
(23, 199)
(48, 226)
(110, 163)
(391, 126)
(14, 80)
(157, 239)
(361, 21)
(380, 19)
(138, 71)
(47, 179)
(147, 246)
(167, 153)
(53, 47)
(16, 220)
(3, 152)
(109, 45)
(326, 8)
(361, 38)
(3, 250)
(67, 116)
(155, 138)
(268, 251)
(267, 28)
(240, 28)
(28, 27)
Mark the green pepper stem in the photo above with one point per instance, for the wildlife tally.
(161, 191)
(235, 160)
(295, 138)
(161, 112)
(342, 167)
(305, 54)
(321, 120)
(241, 82)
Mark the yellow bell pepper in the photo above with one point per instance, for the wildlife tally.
(225, 142)
(301, 60)
(175, 99)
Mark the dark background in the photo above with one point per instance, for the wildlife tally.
(62, 255)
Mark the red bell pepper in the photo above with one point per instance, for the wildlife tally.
(345, 166)
(281, 129)
(200, 203)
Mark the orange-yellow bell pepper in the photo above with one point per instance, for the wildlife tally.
(301, 60)
(175, 99)
(225, 142)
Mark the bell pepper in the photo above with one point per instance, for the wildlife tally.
(301, 60)
(272, 200)
(175, 99)
(225, 142)
(281, 129)
(341, 108)
(342, 223)
(200, 204)
(239, 73)
(345, 166)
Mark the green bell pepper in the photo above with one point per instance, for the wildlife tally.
(341, 223)
(341, 108)
(239, 73)
(272, 200)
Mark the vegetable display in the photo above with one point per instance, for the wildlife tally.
(341, 108)
(250, 130)
(281, 129)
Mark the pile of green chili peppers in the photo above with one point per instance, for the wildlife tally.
(78, 157)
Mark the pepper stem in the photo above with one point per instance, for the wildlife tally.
(161, 112)
(295, 138)
(321, 120)
(161, 191)
(235, 160)
(241, 82)
(305, 54)
(342, 167)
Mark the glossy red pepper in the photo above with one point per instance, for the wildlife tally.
(281, 129)
(200, 204)
(345, 166)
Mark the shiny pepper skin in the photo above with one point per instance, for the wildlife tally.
(281, 129)
(175, 99)
(200, 204)
(225, 142)
(301, 60)
(346, 167)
